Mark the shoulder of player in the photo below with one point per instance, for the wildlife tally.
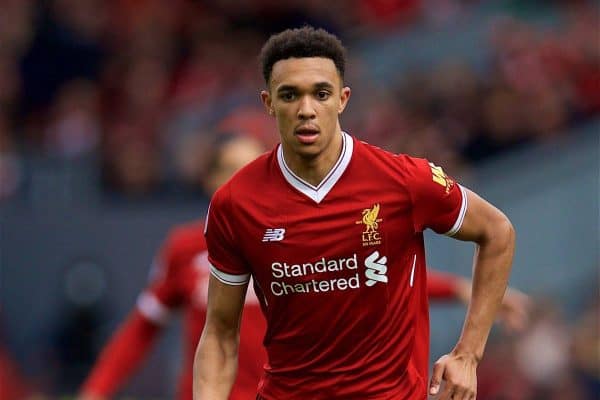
(375, 155)
(400, 171)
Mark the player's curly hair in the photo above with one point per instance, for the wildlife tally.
(300, 43)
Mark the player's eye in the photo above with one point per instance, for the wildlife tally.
(287, 96)
(323, 95)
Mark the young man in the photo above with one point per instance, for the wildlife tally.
(179, 282)
(331, 231)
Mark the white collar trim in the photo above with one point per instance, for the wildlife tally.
(318, 193)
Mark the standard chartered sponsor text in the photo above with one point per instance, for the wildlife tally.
(282, 286)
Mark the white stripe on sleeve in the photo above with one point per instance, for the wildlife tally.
(461, 214)
(229, 279)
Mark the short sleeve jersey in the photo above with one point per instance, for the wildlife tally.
(172, 277)
(339, 268)
(179, 281)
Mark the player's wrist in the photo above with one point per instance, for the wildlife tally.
(466, 353)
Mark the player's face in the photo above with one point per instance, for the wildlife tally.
(306, 97)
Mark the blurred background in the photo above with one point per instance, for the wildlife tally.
(109, 110)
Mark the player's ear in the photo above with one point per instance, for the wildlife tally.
(344, 97)
(267, 101)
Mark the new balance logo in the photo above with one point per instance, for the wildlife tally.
(376, 269)
(274, 235)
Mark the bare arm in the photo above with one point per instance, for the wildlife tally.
(215, 363)
(494, 235)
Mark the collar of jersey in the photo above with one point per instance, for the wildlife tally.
(318, 193)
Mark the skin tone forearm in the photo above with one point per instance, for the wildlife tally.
(493, 258)
(494, 235)
(215, 362)
(215, 365)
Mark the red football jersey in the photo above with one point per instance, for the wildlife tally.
(180, 281)
(339, 268)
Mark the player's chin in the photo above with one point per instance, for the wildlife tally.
(308, 150)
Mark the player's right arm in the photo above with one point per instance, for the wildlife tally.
(216, 359)
(215, 362)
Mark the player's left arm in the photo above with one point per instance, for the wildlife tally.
(494, 236)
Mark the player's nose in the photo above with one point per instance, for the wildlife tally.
(306, 109)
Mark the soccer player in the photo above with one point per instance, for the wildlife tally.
(331, 231)
(179, 281)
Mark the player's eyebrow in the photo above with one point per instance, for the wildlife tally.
(323, 85)
(286, 88)
(292, 88)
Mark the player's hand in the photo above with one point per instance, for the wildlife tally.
(514, 311)
(458, 374)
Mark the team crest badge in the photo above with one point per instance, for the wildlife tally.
(371, 220)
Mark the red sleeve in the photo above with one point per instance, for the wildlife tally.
(121, 356)
(165, 282)
(441, 286)
(438, 202)
(226, 262)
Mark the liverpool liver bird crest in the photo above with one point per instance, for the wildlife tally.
(370, 218)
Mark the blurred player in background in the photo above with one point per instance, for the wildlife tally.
(514, 312)
(180, 280)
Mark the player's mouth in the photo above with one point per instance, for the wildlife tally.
(307, 134)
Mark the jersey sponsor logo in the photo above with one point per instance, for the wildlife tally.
(376, 269)
(440, 177)
(327, 275)
(274, 235)
(371, 235)
(289, 276)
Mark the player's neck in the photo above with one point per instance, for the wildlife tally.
(314, 169)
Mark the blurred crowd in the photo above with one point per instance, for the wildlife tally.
(146, 86)
(553, 359)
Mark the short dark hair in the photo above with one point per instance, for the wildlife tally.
(300, 43)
